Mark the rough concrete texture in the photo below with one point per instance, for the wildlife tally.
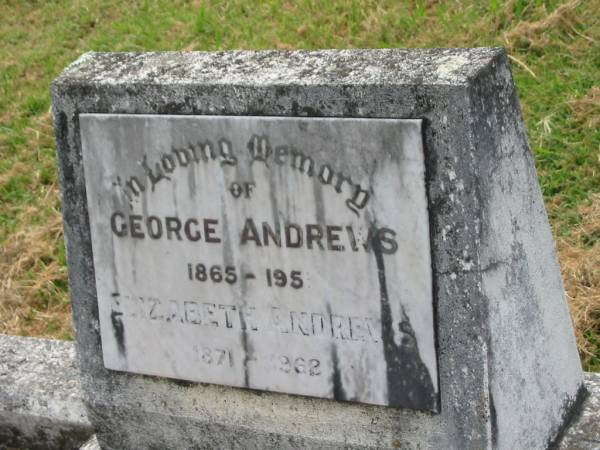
(509, 372)
(584, 432)
(53, 363)
(41, 404)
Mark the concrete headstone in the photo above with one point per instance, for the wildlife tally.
(363, 226)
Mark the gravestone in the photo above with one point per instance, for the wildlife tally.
(333, 249)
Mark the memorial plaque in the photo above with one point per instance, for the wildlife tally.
(273, 253)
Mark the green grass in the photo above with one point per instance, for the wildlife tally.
(559, 66)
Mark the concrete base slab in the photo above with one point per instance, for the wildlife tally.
(582, 434)
(41, 402)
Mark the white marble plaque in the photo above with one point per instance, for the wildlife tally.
(273, 253)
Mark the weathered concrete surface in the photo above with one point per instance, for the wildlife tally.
(584, 432)
(510, 376)
(44, 384)
(41, 405)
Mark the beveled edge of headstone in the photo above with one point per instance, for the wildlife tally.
(453, 66)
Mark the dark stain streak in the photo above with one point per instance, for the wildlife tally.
(241, 174)
(191, 180)
(174, 191)
(245, 343)
(183, 383)
(338, 389)
(493, 420)
(118, 330)
(339, 393)
(408, 380)
(319, 205)
(572, 408)
(246, 350)
(273, 198)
